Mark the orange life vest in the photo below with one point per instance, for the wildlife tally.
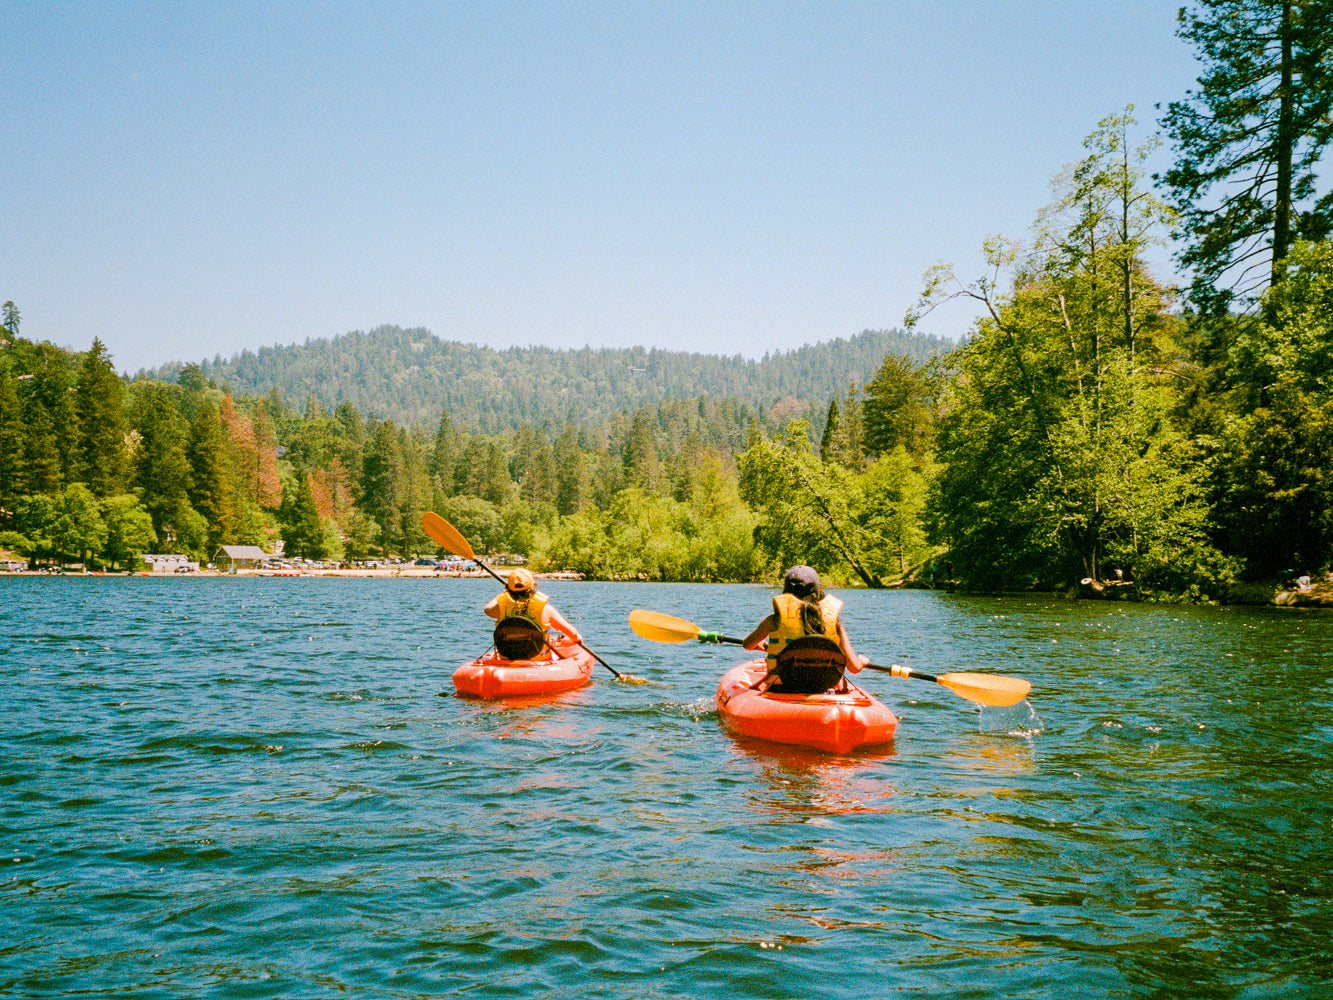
(532, 608)
(787, 607)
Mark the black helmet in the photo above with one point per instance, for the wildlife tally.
(802, 581)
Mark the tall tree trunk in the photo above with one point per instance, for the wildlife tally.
(1286, 142)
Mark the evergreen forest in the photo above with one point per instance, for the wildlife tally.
(1097, 424)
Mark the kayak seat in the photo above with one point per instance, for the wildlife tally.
(811, 664)
(518, 638)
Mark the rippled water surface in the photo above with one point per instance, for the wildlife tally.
(266, 788)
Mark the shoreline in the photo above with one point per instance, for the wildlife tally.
(1314, 595)
(399, 572)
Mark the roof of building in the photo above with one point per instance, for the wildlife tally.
(242, 552)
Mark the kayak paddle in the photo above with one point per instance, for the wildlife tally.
(451, 539)
(984, 689)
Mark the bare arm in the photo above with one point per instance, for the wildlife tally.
(853, 661)
(493, 609)
(761, 632)
(556, 620)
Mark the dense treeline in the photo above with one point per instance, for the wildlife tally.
(411, 375)
(1095, 426)
(96, 468)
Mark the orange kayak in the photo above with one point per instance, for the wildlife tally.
(835, 722)
(492, 676)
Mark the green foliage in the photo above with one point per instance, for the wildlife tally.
(899, 408)
(807, 508)
(129, 530)
(479, 520)
(78, 529)
(34, 517)
(1272, 475)
(1254, 131)
(302, 531)
(101, 461)
(409, 376)
(1059, 459)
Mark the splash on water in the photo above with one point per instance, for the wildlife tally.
(1016, 720)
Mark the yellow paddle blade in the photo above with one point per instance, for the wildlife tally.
(986, 689)
(661, 628)
(446, 535)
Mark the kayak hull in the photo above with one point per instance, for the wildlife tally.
(492, 676)
(833, 722)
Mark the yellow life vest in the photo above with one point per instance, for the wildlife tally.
(787, 607)
(533, 608)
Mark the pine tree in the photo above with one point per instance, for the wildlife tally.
(101, 414)
(162, 472)
(302, 533)
(210, 492)
(11, 445)
(1249, 139)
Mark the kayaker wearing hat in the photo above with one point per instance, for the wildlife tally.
(522, 599)
(802, 609)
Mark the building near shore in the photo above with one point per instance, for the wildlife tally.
(231, 557)
(169, 562)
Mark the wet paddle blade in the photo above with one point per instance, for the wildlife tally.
(986, 689)
(660, 627)
(446, 535)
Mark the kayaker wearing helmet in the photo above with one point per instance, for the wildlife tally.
(802, 609)
(522, 599)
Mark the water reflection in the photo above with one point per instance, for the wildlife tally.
(794, 780)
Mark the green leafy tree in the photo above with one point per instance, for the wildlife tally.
(1273, 489)
(573, 481)
(479, 521)
(1248, 141)
(805, 507)
(414, 492)
(890, 511)
(50, 445)
(129, 530)
(381, 482)
(829, 439)
(1058, 456)
(78, 529)
(447, 447)
(358, 534)
(12, 478)
(35, 517)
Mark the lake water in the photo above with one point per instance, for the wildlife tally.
(245, 787)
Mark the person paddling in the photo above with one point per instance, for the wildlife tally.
(801, 611)
(522, 599)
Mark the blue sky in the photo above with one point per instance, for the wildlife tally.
(188, 180)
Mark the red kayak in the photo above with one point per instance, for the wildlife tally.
(834, 721)
(494, 676)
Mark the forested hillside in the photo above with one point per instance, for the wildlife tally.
(411, 375)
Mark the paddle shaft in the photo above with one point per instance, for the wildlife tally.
(900, 671)
(896, 670)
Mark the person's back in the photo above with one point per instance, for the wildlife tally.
(803, 611)
(522, 600)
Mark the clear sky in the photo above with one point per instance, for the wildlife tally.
(187, 180)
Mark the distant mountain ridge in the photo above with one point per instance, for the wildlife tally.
(410, 376)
